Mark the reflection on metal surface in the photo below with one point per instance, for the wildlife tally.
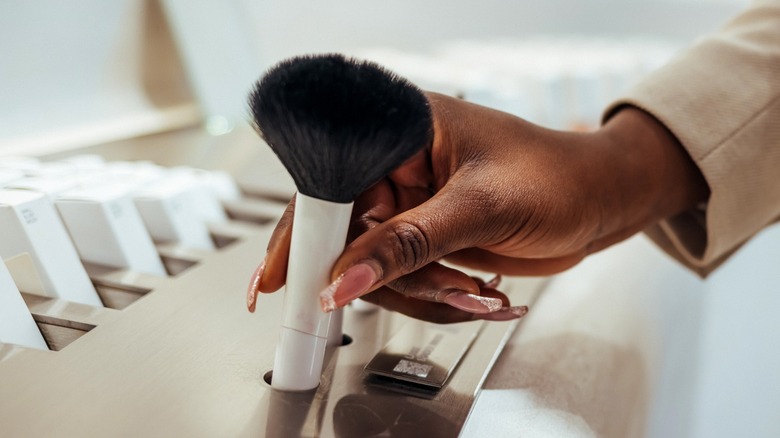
(369, 415)
(299, 413)
(294, 414)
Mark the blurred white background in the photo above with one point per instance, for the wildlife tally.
(87, 71)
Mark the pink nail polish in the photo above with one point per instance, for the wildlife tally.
(506, 314)
(254, 287)
(472, 303)
(354, 282)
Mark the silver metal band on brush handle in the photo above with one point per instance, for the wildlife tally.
(318, 238)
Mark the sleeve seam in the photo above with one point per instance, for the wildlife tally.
(739, 129)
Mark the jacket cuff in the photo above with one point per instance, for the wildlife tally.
(721, 99)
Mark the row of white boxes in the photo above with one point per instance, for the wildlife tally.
(83, 209)
(562, 82)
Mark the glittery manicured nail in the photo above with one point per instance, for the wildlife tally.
(505, 314)
(354, 282)
(472, 303)
(254, 287)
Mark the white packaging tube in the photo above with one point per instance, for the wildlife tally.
(318, 238)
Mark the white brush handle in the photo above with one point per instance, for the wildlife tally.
(364, 306)
(318, 238)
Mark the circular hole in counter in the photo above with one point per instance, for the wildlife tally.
(345, 340)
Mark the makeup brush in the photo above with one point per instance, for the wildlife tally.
(338, 125)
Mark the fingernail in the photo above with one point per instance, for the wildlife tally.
(254, 287)
(505, 314)
(354, 282)
(472, 303)
(492, 284)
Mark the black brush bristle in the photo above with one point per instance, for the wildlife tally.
(337, 124)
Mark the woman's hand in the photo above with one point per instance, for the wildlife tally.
(496, 193)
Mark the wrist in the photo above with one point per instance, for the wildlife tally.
(653, 178)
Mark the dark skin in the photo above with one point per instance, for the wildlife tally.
(496, 193)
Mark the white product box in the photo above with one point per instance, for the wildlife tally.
(16, 324)
(51, 186)
(177, 209)
(108, 230)
(30, 224)
(220, 182)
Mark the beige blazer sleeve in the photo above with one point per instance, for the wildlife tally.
(721, 98)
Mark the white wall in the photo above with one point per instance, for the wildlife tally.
(84, 71)
(283, 27)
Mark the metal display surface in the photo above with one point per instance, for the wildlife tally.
(424, 353)
(187, 359)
